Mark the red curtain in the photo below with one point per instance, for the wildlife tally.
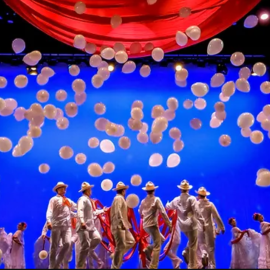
(142, 23)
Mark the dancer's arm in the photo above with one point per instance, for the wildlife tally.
(80, 212)
(163, 213)
(217, 218)
(49, 213)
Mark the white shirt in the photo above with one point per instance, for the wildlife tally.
(188, 212)
(210, 214)
(118, 213)
(150, 209)
(86, 214)
(59, 215)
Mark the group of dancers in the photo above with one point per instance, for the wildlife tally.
(77, 225)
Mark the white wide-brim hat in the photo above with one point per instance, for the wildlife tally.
(85, 186)
(185, 185)
(120, 186)
(59, 185)
(150, 186)
(202, 191)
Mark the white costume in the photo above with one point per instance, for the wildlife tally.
(149, 210)
(120, 228)
(264, 257)
(59, 215)
(188, 214)
(89, 237)
(210, 214)
(5, 247)
(245, 253)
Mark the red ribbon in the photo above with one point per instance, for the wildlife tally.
(137, 231)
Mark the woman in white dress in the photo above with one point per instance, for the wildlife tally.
(264, 257)
(17, 256)
(244, 248)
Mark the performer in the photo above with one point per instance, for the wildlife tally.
(87, 232)
(5, 247)
(59, 222)
(264, 257)
(17, 257)
(245, 252)
(188, 216)
(120, 226)
(210, 214)
(149, 210)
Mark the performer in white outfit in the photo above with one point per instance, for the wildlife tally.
(149, 210)
(120, 226)
(188, 216)
(87, 232)
(264, 256)
(210, 215)
(245, 247)
(59, 222)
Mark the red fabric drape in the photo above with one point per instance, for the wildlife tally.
(142, 23)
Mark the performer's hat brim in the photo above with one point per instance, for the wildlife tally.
(59, 185)
(85, 186)
(150, 186)
(120, 186)
(185, 185)
(202, 191)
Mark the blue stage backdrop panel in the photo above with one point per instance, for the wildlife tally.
(228, 173)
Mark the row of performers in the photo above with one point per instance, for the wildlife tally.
(197, 219)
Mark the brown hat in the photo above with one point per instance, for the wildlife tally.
(85, 186)
(150, 186)
(185, 185)
(120, 186)
(202, 191)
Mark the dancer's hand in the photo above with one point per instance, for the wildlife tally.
(43, 236)
(170, 228)
(83, 226)
(105, 208)
(49, 226)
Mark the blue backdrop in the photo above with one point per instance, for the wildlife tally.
(228, 173)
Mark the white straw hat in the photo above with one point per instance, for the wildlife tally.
(120, 186)
(150, 186)
(85, 186)
(59, 185)
(185, 185)
(202, 191)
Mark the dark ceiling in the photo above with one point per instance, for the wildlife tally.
(236, 37)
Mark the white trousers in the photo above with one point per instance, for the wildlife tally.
(124, 241)
(210, 247)
(191, 248)
(154, 249)
(57, 234)
(202, 249)
(89, 240)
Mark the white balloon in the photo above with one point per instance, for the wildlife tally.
(3, 82)
(181, 83)
(79, 42)
(193, 32)
(181, 38)
(47, 72)
(215, 46)
(251, 21)
(104, 73)
(43, 254)
(78, 86)
(119, 47)
(265, 87)
(128, 67)
(107, 146)
(237, 59)
(217, 80)
(181, 75)
(145, 71)
(246, 132)
(108, 54)
(106, 184)
(18, 45)
(21, 81)
(228, 89)
(259, 69)
(158, 54)
(121, 57)
(199, 89)
(223, 98)
(29, 61)
(242, 85)
(95, 60)
(263, 179)
(155, 160)
(74, 70)
(245, 120)
(97, 81)
(173, 160)
(80, 7)
(151, 2)
(2, 104)
(244, 73)
(132, 199)
(215, 123)
(90, 48)
(41, 79)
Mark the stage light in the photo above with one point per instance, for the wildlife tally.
(32, 70)
(264, 16)
(111, 67)
(222, 68)
(253, 73)
(178, 67)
